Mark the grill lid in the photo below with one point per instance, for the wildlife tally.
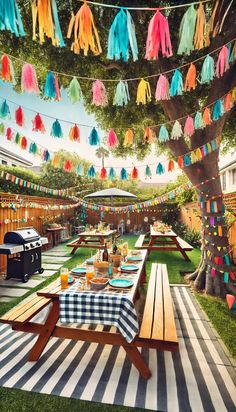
(22, 236)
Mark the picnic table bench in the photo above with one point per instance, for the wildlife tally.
(92, 239)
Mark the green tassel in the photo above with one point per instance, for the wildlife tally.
(112, 173)
(208, 70)
(160, 169)
(5, 111)
(198, 122)
(33, 148)
(123, 174)
(94, 139)
(187, 31)
(148, 172)
(2, 129)
(74, 91)
(17, 138)
(163, 134)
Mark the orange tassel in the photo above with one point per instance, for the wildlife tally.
(171, 165)
(148, 136)
(208, 206)
(129, 138)
(220, 231)
(200, 28)
(228, 102)
(180, 162)
(206, 118)
(55, 161)
(43, 11)
(190, 81)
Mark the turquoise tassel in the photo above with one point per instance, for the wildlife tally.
(148, 172)
(176, 87)
(121, 97)
(91, 172)
(226, 277)
(112, 173)
(205, 150)
(208, 72)
(80, 170)
(160, 169)
(56, 129)
(198, 122)
(187, 31)
(94, 139)
(123, 174)
(218, 110)
(5, 111)
(227, 260)
(74, 91)
(10, 17)
(213, 145)
(187, 160)
(33, 148)
(163, 134)
(58, 33)
(231, 53)
(49, 88)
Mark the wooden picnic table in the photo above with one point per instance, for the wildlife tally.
(92, 239)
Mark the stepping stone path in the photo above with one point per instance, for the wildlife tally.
(52, 261)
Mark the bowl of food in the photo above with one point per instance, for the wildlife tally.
(98, 283)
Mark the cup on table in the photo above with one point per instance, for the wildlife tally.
(89, 274)
(64, 274)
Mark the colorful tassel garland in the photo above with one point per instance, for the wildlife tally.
(187, 160)
(9, 134)
(99, 94)
(5, 111)
(23, 143)
(129, 138)
(7, 70)
(56, 130)
(176, 131)
(148, 136)
(228, 103)
(160, 169)
(176, 87)
(143, 92)
(200, 28)
(206, 118)
(94, 139)
(38, 125)
(198, 122)
(134, 174)
(74, 91)
(112, 140)
(103, 173)
(163, 134)
(123, 174)
(171, 165)
(207, 72)
(121, 36)
(222, 64)
(121, 97)
(68, 166)
(48, 21)
(112, 173)
(189, 127)
(33, 148)
(19, 116)
(74, 134)
(10, 17)
(218, 110)
(190, 81)
(51, 88)
(162, 89)
(85, 32)
(158, 37)
(148, 172)
(187, 30)
(29, 81)
(79, 170)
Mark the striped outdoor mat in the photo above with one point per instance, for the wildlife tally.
(197, 378)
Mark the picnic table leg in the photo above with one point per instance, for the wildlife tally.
(138, 361)
(150, 244)
(46, 333)
(77, 245)
(183, 253)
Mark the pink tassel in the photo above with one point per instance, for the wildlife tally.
(189, 126)
(222, 64)
(57, 88)
(158, 37)
(9, 134)
(112, 139)
(162, 89)
(29, 82)
(99, 94)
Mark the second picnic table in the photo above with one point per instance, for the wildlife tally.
(92, 239)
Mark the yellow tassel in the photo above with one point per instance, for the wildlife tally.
(198, 154)
(55, 161)
(143, 92)
(129, 138)
(42, 9)
(234, 94)
(200, 28)
(209, 148)
(193, 157)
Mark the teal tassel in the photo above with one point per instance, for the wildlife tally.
(74, 91)
(187, 160)
(218, 110)
(213, 145)
(80, 170)
(198, 122)
(49, 88)
(46, 155)
(232, 53)
(160, 169)
(205, 150)
(112, 173)
(163, 134)
(56, 129)
(17, 138)
(226, 277)
(176, 87)
(5, 111)
(227, 260)
(33, 148)
(91, 172)
(187, 31)
(123, 174)
(208, 73)
(94, 139)
(10, 17)
(121, 97)
(58, 33)
(148, 172)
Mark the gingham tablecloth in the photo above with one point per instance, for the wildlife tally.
(103, 308)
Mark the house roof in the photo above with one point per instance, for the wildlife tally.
(233, 163)
(14, 156)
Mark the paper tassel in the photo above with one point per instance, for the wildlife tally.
(200, 28)
(46, 156)
(198, 122)
(160, 169)
(2, 129)
(85, 32)
(51, 87)
(55, 161)
(220, 232)
(207, 73)
(99, 94)
(163, 134)
(162, 89)
(187, 30)
(129, 138)
(5, 111)
(112, 173)
(103, 173)
(17, 138)
(23, 143)
(148, 172)
(48, 21)
(206, 117)
(226, 277)
(10, 17)
(123, 174)
(180, 162)
(74, 134)
(94, 139)
(227, 259)
(171, 165)
(158, 38)
(222, 64)
(143, 92)
(232, 54)
(29, 81)
(7, 69)
(68, 166)
(198, 154)
(190, 81)
(189, 127)
(9, 134)
(19, 116)
(218, 110)
(148, 136)
(56, 129)
(121, 35)
(121, 97)
(112, 140)
(74, 91)
(38, 125)
(176, 131)
(176, 87)
(79, 170)
(33, 148)
(213, 272)
(134, 173)
(228, 103)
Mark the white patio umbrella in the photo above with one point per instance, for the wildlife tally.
(112, 192)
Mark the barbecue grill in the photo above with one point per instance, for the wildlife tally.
(23, 249)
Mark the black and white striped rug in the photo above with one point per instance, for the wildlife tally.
(198, 378)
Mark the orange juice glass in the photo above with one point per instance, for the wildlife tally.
(64, 273)
(89, 275)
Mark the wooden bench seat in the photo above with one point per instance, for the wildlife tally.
(139, 242)
(185, 246)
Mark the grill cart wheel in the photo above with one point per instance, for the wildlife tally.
(41, 271)
(25, 278)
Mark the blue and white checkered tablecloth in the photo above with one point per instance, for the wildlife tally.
(103, 308)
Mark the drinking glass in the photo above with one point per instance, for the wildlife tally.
(64, 274)
(89, 274)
